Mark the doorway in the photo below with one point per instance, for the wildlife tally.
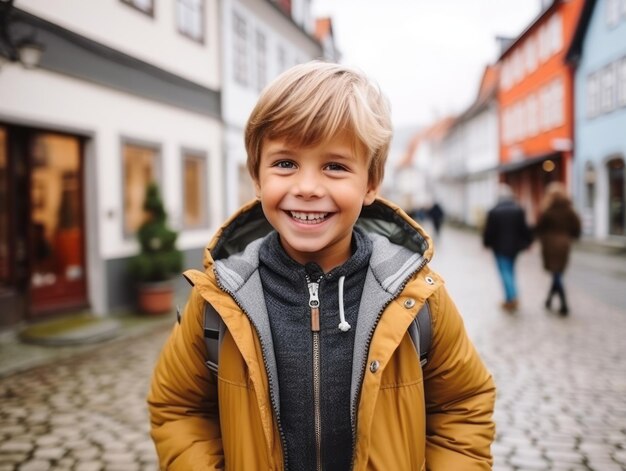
(42, 238)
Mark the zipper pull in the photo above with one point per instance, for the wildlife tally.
(314, 304)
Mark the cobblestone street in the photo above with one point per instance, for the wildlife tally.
(87, 413)
(561, 381)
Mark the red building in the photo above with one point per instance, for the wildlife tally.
(536, 104)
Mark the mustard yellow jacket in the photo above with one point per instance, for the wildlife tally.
(404, 418)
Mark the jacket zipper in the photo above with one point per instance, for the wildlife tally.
(283, 440)
(370, 335)
(314, 304)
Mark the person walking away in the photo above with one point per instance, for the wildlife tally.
(557, 226)
(436, 215)
(507, 234)
(317, 283)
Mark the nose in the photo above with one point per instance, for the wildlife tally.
(309, 184)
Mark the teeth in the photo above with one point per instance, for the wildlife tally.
(308, 216)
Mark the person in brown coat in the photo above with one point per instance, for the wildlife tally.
(557, 226)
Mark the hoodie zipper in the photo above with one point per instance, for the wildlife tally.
(314, 304)
(272, 386)
(370, 335)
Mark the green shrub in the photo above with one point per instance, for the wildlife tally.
(159, 259)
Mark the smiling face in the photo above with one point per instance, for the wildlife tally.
(313, 197)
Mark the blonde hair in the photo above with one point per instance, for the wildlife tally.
(312, 103)
(555, 192)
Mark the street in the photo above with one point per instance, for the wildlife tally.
(561, 381)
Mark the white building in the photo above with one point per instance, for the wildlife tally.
(126, 91)
(261, 39)
(471, 156)
(417, 174)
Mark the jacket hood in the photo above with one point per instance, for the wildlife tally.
(381, 217)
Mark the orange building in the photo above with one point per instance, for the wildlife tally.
(536, 104)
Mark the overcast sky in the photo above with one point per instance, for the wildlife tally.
(427, 55)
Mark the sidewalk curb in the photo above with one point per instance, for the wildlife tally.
(18, 357)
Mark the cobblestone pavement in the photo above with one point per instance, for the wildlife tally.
(561, 381)
(561, 402)
(85, 413)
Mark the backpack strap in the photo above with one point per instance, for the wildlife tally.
(421, 332)
(214, 329)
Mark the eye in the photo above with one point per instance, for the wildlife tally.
(335, 167)
(284, 164)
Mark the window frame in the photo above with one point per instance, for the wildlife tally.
(203, 156)
(592, 92)
(608, 88)
(610, 172)
(202, 12)
(261, 59)
(133, 5)
(240, 49)
(612, 13)
(158, 170)
(620, 79)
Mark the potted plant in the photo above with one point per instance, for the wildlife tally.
(158, 260)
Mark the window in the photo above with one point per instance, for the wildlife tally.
(194, 190)
(145, 6)
(506, 126)
(240, 53)
(612, 12)
(140, 165)
(544, 106)
(530, 54)
(282, 59)
(532, 115)
(590, 185)
(261, 60)
(617, 197)
(607, 89)
(544, 43)
(521, 119)
(190, 18)
(557, 94)
(593, 95)
(518, 66)
(556, 34)
(621, 83)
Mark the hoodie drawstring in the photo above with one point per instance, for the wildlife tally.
(343, 325)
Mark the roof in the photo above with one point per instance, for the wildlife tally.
(434, 132)
(487, 91)
(545, 12)
(323, 28)
(575, 50)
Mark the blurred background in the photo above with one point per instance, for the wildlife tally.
(100, 100)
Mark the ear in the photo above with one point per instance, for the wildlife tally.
(257, 188)
(371, 194)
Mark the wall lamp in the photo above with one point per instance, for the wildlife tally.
(25, 50)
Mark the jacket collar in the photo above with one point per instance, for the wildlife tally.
(381, 217)
(400, 249)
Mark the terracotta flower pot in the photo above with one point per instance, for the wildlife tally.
(156, 298)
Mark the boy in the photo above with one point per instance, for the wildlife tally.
(316, 283)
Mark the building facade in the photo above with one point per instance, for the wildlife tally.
(418, 173)
(471, 155)
(536, 104)
(126, 92)
(598, 53)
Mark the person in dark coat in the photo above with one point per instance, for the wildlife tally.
(436, 215)
(557, 226)
(506, 233)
